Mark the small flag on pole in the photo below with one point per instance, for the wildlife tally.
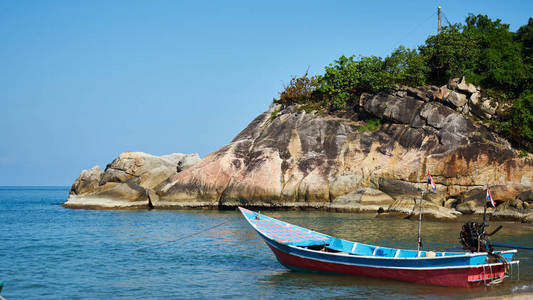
(430, 181)
(489, 197)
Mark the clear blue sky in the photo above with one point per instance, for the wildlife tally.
(82, 81)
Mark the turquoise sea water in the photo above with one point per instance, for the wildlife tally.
(49, 252)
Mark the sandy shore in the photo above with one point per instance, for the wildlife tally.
(517, 296)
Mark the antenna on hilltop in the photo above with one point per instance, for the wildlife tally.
(439, 20)
(440, 14)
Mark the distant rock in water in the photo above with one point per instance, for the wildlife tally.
(336, 161)
(127, 182)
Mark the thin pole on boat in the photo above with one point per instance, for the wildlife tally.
(420, 223)
(485, 209)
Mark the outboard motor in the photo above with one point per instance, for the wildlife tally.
(474, 238)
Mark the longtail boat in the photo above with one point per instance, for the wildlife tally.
(302, 249)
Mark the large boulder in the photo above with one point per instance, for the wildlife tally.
(127, 179)
(526, 196)
(436, 114)
(528, 218)
(88, 181)
(475, 98)
(399, 110)
(456, 99)
(453, 83)
(364, 199)
(442, 93)
(463, 86)
(489, 107)
(150, 169)
(410, 209)
(395, 187)
(471, 201)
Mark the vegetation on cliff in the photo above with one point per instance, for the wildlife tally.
(483, 50)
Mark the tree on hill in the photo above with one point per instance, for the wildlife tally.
(406, 66)
(483, 50)
(525, 36)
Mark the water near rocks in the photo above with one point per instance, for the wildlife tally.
(51, 252)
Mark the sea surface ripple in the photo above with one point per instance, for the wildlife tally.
(50, 252)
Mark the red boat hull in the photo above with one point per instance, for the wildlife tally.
(458, 277)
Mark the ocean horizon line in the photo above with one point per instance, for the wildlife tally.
(33, 186)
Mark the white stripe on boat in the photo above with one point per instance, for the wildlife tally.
(353, 248)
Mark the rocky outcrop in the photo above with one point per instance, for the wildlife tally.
(467, 99)
(128, 181)
(309, 160)
(336, 161)
(363, 199)
(88, 181)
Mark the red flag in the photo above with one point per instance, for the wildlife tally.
(430, 181)
(489, 197)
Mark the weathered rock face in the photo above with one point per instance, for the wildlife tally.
(126, 182)
(88, 181)
(308, 160)
(300, 159)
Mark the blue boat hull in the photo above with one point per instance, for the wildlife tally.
(299, 249)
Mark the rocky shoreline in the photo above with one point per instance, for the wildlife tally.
(290, 158)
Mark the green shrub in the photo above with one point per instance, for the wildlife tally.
(311, 106)
(274, 114)
(299, 90)
(522, 117)
(406, 66)
(370, 125)
(349, 77)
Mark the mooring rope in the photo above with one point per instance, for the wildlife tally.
(183, 237)
(506, 270)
